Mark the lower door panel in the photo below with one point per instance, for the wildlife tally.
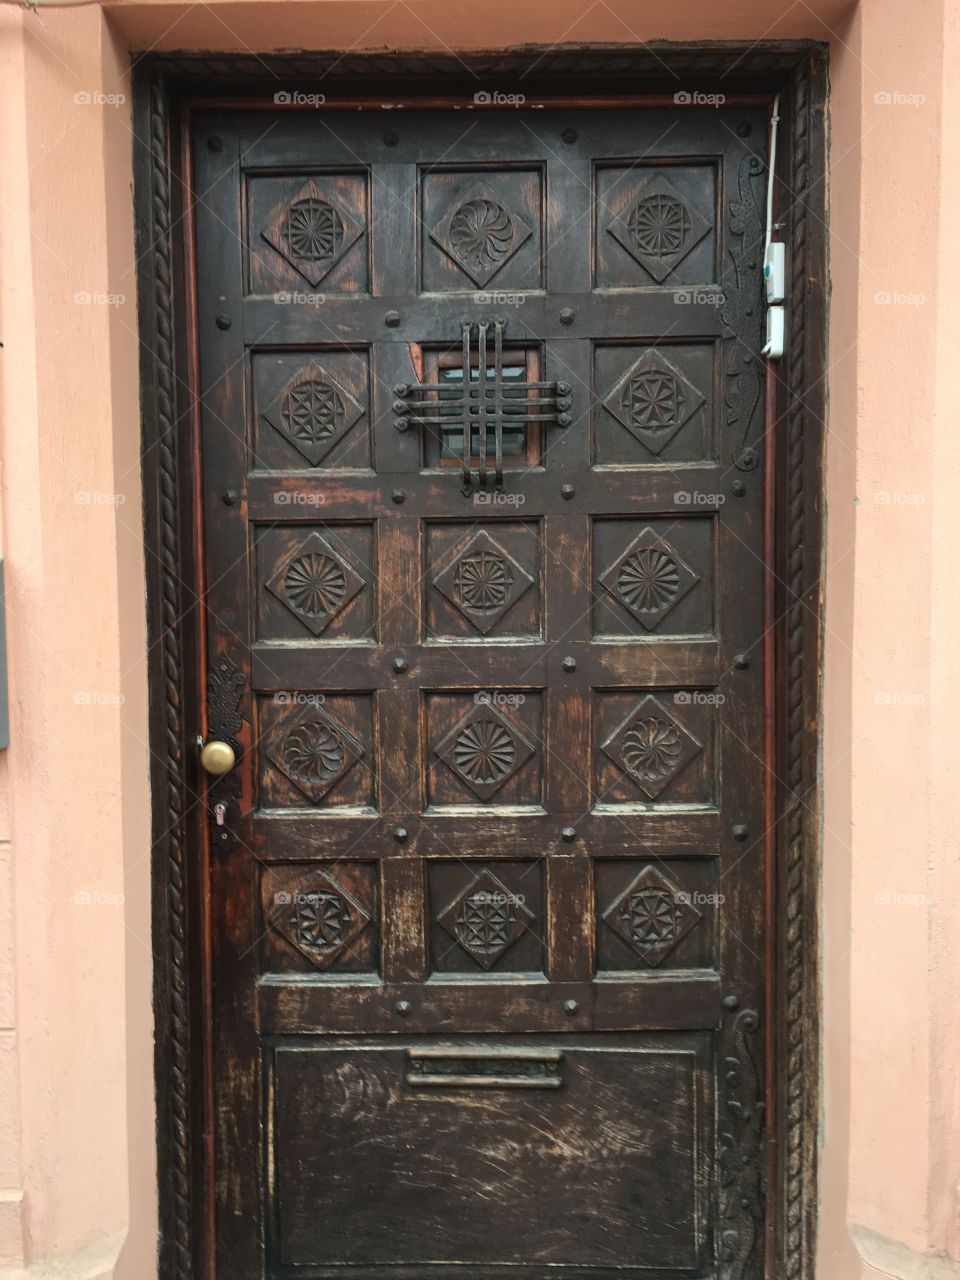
(462, 1156)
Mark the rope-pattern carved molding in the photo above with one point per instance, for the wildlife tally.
(797, 907)
(177, 1114)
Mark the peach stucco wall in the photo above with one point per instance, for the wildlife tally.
(77, 1178)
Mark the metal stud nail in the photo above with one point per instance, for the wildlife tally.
(400, 834)
(567, 315)
(731, 1002)
(739, 831)
(390, 138)
(569, 664)
(392, 319)
(739, 488)
(402, 1007)
(400, 665)
(567, 491)
(569, 834)
(741, 661)
(215, 142)
(570, 1007)
(224, 322)
(569, 136)
(229, 497)
(399, 495)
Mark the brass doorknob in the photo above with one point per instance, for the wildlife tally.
(218, 757)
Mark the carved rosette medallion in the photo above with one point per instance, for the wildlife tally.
(652, 747)
(314, 752)
(315, 583)
(653, 400)
(480, 233)
(658, 226)
(314, 413)
(653, 915)
(486, 919)
(483, 581)
(484, 750)
(312, 232)
(318, 917)
(649, 578)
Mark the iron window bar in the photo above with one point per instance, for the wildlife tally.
(482, 405)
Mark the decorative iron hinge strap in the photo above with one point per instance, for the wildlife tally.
(481, 403)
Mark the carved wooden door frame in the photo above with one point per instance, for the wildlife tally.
(165, 88)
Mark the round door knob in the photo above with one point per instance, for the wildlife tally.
(218, 757)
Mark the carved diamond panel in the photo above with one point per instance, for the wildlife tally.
(649, 578)
(319, 918)
(652, 916)
(480, 233)
(658, 227)
(486, 919)
(653, 400)
(483, 581)
(315, 752)
(314, 412)
(484, 750)
(315, 583)
(652, 747)
(312, 232)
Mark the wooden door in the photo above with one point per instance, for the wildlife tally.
(487, 923)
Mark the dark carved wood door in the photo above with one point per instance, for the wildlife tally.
(482, 512)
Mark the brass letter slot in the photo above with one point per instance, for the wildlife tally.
(485, 1068)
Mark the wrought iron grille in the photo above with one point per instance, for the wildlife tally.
(482, 407)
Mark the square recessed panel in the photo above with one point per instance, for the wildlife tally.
(484, 747)
(654, 404)
(655, 747)
(653, 578)
(312, 411)
(655, 225)
(482, 580)
(486, 917)
(317, 750)
(658, 913)
(317, 583)
(320, 918)
(308, 235)
(481, 230)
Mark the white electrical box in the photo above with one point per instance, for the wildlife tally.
(775, 333)
(774, 272)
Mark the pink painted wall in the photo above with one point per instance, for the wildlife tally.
(77, 1177)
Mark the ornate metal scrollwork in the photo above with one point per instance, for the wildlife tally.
(743, 319)
(740, 1152)
(481, 407)
(225, 688)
